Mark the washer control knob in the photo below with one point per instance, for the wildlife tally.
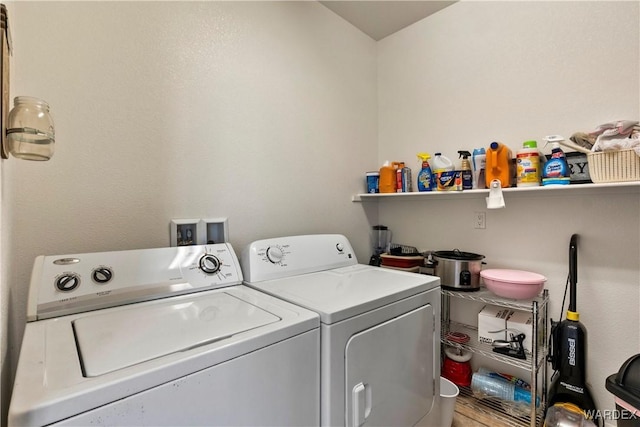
(210, 264)
(67, 282)
(102, 275)
(274, 254)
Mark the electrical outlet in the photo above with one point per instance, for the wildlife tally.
(479, 220)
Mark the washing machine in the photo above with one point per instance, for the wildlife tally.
(165, 336)
(379, 328)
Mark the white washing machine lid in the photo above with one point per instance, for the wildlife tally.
(345, 292)
(51, 383)
(115, 340)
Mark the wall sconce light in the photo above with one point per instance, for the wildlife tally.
(30, 133)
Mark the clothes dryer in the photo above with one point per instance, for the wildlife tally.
(162, 336)
(380, 328)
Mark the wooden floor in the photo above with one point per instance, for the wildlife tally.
(460, 420)
(463, 417)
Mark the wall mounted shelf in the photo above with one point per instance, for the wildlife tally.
(631, 187)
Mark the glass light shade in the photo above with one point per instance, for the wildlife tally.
(30, 129)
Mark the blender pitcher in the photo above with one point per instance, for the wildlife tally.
(380, 241)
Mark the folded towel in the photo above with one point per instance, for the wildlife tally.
(619, 135)
(583, 139)
(619, 127)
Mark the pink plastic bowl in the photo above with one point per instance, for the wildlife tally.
(514, 284)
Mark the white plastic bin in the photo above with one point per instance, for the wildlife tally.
(448, 394)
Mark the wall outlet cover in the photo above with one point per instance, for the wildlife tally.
(214, 230)
(184, 232)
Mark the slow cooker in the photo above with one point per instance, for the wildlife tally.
(457, 270)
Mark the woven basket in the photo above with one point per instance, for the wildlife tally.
(614, 166)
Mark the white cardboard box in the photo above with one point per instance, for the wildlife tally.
(492, 318)
(521, 321)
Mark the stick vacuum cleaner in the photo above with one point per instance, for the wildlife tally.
(569, 395)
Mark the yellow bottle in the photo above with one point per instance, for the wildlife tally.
(425, 179)
(528, 165)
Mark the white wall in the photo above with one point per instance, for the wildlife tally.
(478, 72)
(266, 113)
(263, 112)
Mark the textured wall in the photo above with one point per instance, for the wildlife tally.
(478, 72)
(262, 112)
(266, 113)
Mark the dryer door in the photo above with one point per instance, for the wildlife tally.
(390, 371)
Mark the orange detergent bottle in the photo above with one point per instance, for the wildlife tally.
(387, 181)
(498, 164)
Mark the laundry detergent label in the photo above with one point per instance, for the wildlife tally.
(528, 168)
(449, 181)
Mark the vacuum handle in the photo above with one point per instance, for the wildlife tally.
(553, 357)
(573, 272)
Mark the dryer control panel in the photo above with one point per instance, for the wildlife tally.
(281, 257)
(75, 283)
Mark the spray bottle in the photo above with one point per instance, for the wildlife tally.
(556, 170)
(425, 177)
(467, 175)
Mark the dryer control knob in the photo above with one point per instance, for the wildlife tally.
(210, 264)
(274, 254)
(67, 282)
(102, 275)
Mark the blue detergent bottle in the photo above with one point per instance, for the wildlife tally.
(556, 170)
(425, 177)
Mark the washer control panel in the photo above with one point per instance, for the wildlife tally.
(275, 254)
(289, 256)
(75, 283)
